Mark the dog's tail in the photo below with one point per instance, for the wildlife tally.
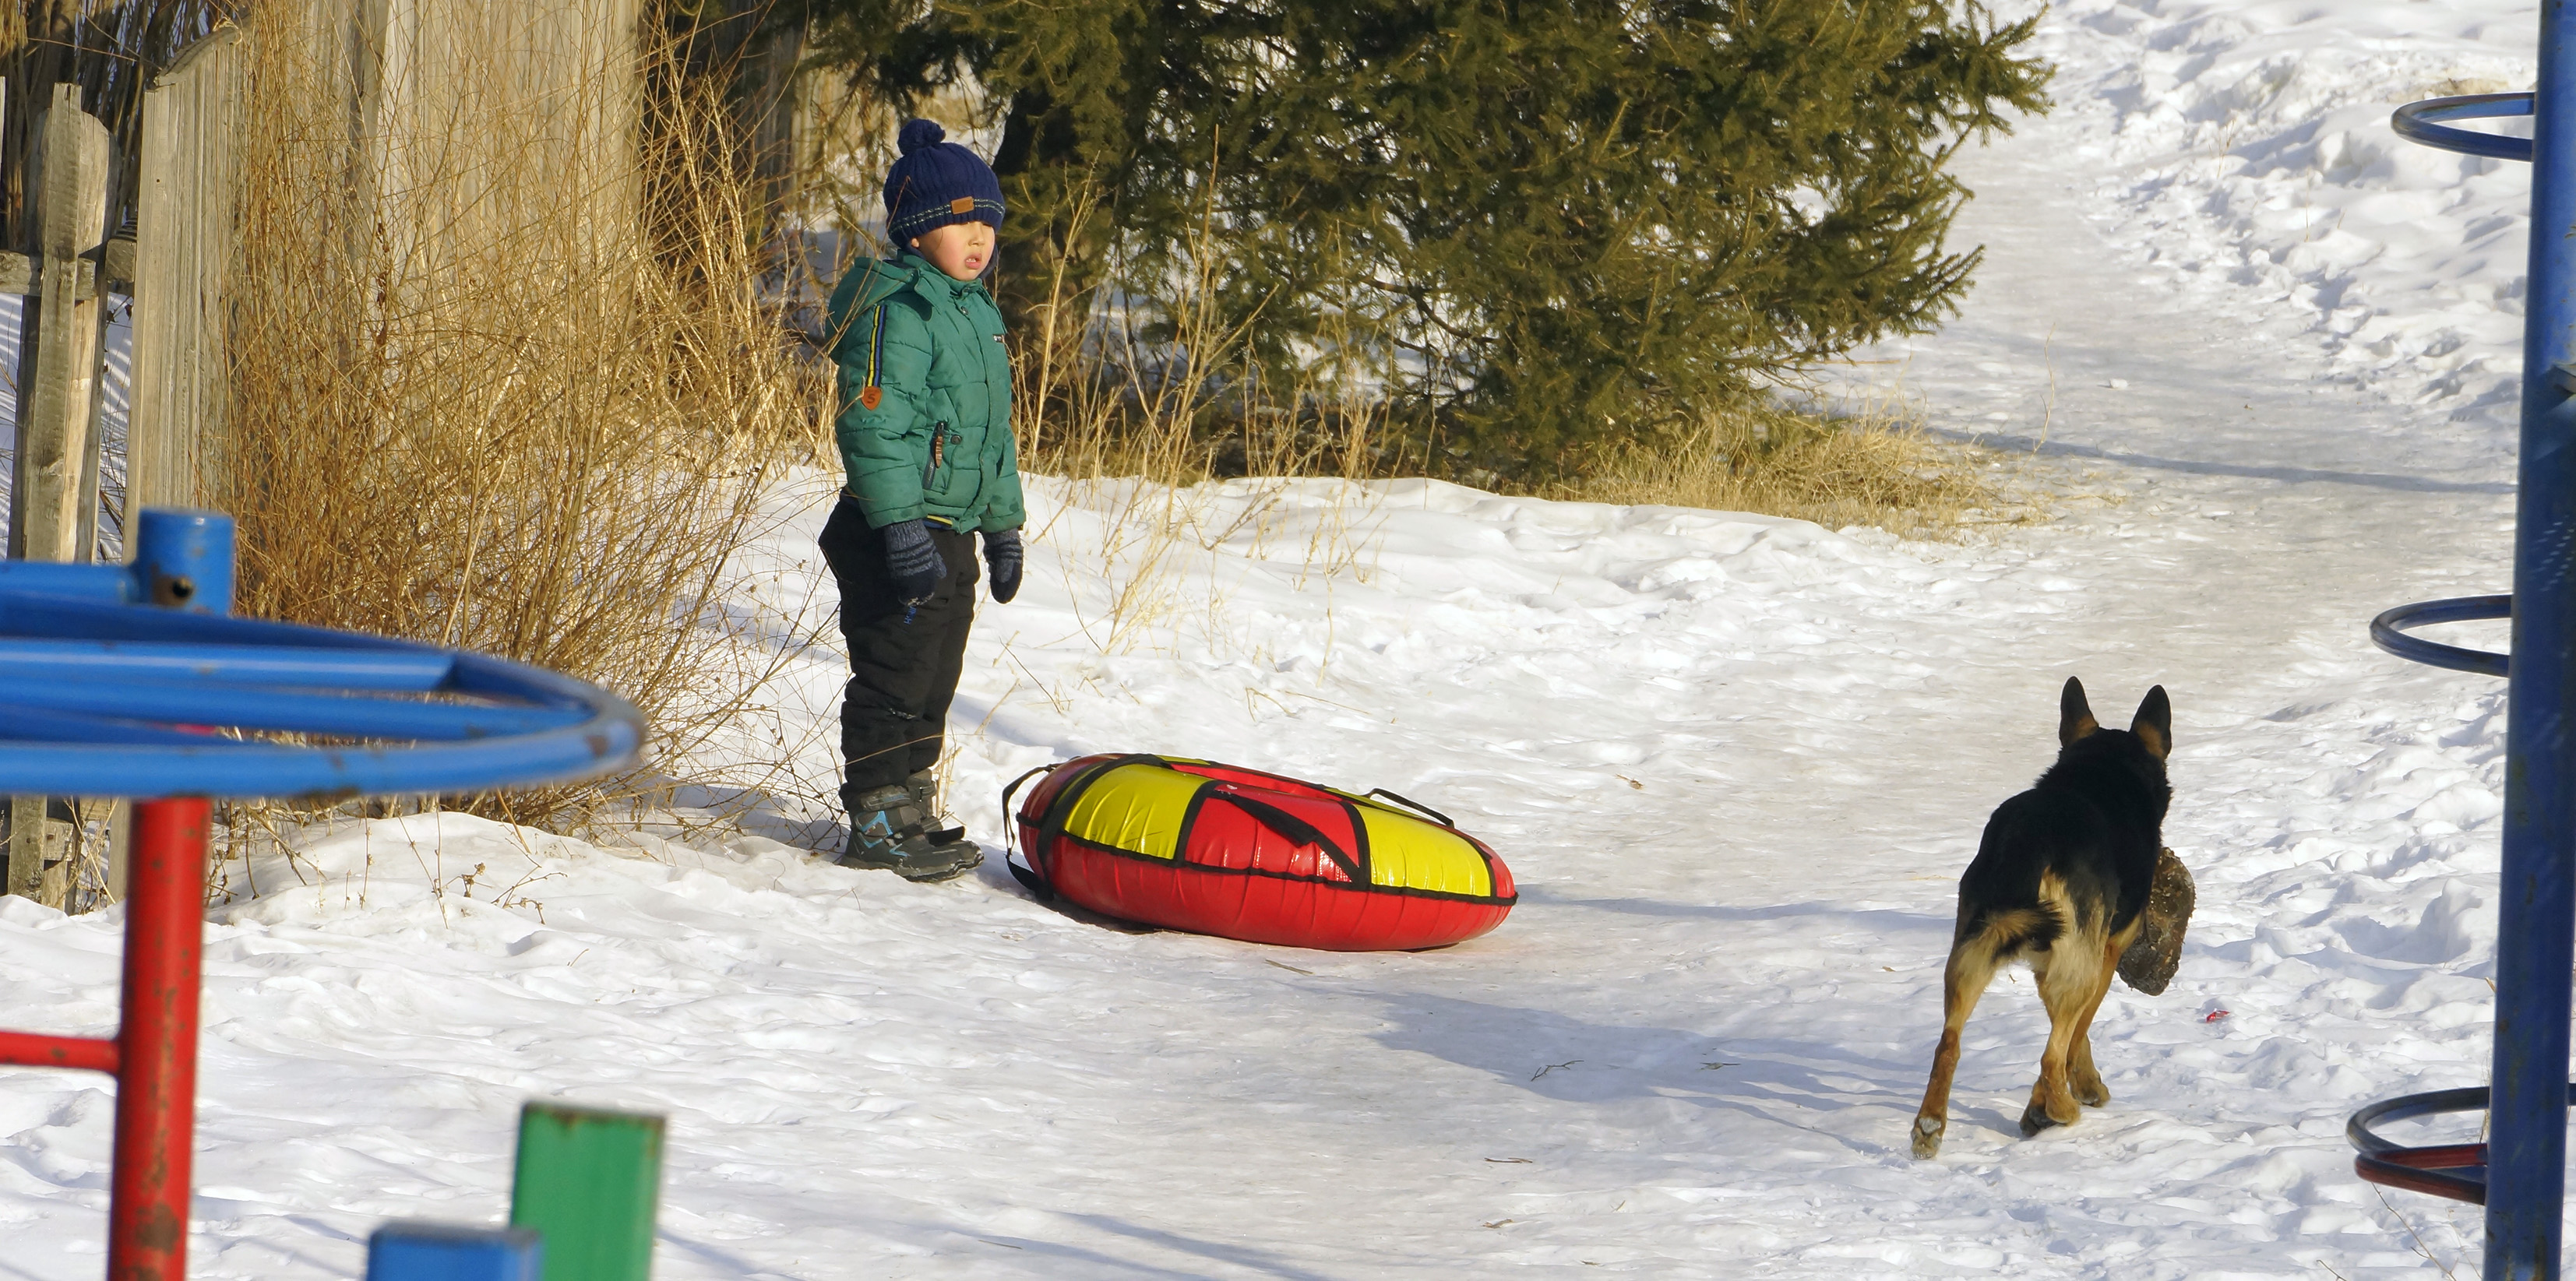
(2001, 933)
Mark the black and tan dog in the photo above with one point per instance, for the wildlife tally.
(2072, 877)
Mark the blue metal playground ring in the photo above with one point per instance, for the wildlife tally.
(2424, 122)
(2388, 631)
(102, 694)
(2454, 1170)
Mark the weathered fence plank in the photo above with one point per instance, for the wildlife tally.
(186, 231)
(58, 346)
(58, 361)
(193, 118)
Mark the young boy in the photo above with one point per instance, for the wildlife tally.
(925, 436)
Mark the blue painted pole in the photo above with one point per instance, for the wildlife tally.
(184, 559)
(2536, 925)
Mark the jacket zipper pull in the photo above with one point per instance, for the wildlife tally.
(938, 449)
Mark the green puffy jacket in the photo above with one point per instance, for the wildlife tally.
(925, 420)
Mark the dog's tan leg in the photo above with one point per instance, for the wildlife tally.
(1963, 980)
(2082, 1078)
(2066, 980)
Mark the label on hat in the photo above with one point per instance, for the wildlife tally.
(962, 205)
(870, 395)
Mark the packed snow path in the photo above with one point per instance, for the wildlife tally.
(1737, 764)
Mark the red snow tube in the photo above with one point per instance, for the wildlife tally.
(1217, 849)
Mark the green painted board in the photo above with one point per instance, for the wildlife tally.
(588, 1181)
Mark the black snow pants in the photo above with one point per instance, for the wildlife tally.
(903, 670)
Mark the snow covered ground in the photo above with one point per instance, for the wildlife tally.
(2263, 351)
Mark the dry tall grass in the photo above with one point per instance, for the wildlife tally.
(1874, 468)
(1095, 405)
(501, 378)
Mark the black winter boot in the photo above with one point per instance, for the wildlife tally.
(888, 832)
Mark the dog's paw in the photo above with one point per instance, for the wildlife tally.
(2035, 1119)
(1927, 1136)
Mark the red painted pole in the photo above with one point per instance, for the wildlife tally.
(156, 1086)
(32, 1049)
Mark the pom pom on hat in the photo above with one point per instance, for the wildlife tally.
(917, 134)
(937, 183)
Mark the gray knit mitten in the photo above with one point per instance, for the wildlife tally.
(1002, 555)
(915, 563)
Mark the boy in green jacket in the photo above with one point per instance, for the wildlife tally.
(925, 436)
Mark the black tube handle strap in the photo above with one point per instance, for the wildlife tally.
(1058, 810)
(1297, 831)
(1028, 876)
(1414, 805)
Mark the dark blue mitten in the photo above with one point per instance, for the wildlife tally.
(915, 563)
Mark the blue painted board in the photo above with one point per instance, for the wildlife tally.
(411, 1250)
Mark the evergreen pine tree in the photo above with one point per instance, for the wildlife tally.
(1546, 221)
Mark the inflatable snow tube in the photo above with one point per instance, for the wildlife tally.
(1217, 849)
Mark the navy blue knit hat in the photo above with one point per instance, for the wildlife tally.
(936, 183)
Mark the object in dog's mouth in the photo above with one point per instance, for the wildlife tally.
(2149, 963)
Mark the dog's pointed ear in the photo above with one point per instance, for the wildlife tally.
(2074, 715)
(2154, 723)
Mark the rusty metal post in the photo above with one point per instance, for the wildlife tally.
(156, 1086)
